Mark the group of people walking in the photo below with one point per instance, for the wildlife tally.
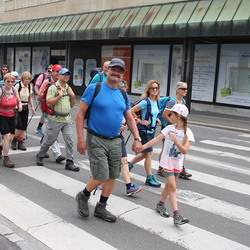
(106, 105)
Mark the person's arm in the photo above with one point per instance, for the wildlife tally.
(153, 142)
(183, 148)
(138, 120)
(52, 101)
(31, 104)
(166, 117)
(81, 143)
(19, 103)
(72, 97)
(36, 88)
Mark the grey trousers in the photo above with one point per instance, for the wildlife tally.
(52, 131)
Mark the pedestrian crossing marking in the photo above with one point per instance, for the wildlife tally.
(225, 145)
(50, 229)
(188, 236)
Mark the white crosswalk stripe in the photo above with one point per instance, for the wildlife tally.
(138, 215)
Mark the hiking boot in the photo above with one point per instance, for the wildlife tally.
(46, 155)
(161, 172)
(102, 212)
(133, 190)
(151, 181)
(179, 220)
(39, 131)
(21, 146)
(130, 166)
(70, 166)
(14, 144)
(1, 152)
(8, 163)
(184, 173)
(60, 158)
(82, 204)
(161, 209)
(39, 160)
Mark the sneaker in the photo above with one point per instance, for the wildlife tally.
(21, 146)
(102, 212)
(8, 163)
(39, 131)
(130, 166)
(151, 181)
(161, 172)
(82, 204)
(39, 160)
(161, 209)
(184, 173)
(1, 152)
(179, 220)
(60, 158)
(71, 166)
(133, 190)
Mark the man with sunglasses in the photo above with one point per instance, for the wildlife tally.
(181, 92)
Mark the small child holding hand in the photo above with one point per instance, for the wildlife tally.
(178, 138)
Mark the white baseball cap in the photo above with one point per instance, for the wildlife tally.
(14, 73)
(180, 109)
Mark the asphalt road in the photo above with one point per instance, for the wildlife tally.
(39, 210)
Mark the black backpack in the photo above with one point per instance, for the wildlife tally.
(95, 71)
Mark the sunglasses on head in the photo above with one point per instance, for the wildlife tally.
(183, 89)
(153, 88)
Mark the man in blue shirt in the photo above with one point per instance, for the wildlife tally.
(103, 140)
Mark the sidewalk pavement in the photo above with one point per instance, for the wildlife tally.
(215, 120)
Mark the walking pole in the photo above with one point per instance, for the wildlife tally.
(128, 139)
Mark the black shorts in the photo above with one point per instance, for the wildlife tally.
(7, 125)
(22, 118)
(146, 137)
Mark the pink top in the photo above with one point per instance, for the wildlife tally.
(8, 104)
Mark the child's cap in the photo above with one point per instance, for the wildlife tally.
(180, 109)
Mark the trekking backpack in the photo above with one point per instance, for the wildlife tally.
(43, 104)
(97, 90)
(20, 86)
(162, 105)
(147, 116)
(95, 71)
(4, 93)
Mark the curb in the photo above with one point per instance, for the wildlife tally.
(212, 125)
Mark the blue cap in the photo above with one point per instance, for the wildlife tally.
(64, 71)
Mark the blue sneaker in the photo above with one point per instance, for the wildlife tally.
(130, 166)
(133, 190)
(151, 181)
(39, 131)
(99, 187)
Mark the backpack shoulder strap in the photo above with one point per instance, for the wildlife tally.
(124, 94)
(148, 112)
(101, 76)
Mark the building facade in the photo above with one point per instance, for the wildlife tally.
(204, 42)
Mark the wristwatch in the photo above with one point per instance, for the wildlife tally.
(138, 139)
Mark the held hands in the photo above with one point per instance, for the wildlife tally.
(137, 146)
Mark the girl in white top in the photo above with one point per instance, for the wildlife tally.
(178, 138)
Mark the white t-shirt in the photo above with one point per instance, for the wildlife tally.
(171, 157)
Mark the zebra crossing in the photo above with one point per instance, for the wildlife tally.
(57, 232)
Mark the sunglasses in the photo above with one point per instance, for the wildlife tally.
(154, 88)
(8, 81)
(183, 89)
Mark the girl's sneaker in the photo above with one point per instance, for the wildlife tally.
(133, 190)
(161, 209)
(179, 220)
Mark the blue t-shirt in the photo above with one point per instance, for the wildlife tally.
(97, 78)
(154, 113)
(106, 111)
